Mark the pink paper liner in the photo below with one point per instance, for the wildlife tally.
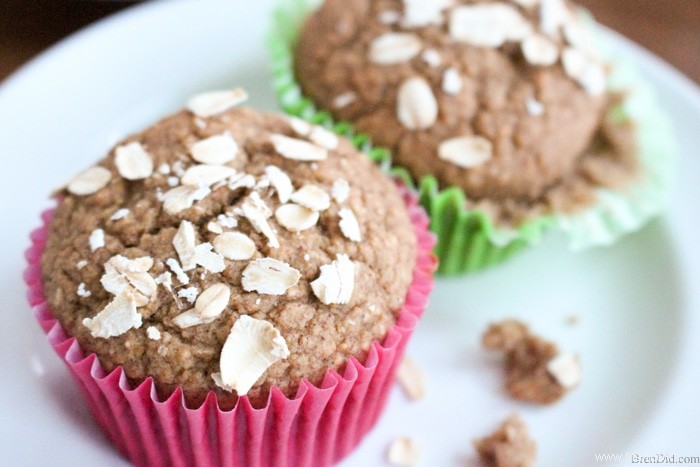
(319, 426)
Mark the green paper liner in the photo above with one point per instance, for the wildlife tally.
(468, 240)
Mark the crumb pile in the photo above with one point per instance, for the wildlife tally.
(536, 371)
(509, 446)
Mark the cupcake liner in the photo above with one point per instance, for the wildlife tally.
(317, 427)
(468, 240)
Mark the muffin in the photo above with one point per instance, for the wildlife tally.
(231, 265)
(504, 113)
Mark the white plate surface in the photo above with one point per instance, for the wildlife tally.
(639, 302)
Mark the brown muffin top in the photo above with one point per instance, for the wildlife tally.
(500, 98)
(223, 243)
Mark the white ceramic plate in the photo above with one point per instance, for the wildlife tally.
(639, 302)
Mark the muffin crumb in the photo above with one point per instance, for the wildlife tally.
(536, 371)
(403, 451)
(509, 446)
(573, 320)
(411, 379)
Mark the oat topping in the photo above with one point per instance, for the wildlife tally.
(116, 318)
(153, 333)
(296, 218)
(300, 127)
(394, 47)
(263, 183)
(213, 301)
(269, 276)
(227, 222)
(280, 182)
(90, 181)
(120, 214)
(206, 175)
(215, 150)
(297, 149)
(349, 225)
(257, 213)
(166, 280)
(241, 181)
(250, 349)
(214, 227)
(81, 264)
(488, 25)
(189, 294)
(566, 369)
(235, 246)
(590, 75)
(83, 291)
(312, 197)
(418, 13)
(389, 17)
(164, 169)
(343, 100)
(133, 162)
(580, 38)
(97, 239)
(404, 452)
(411, 379)
(452, 82)
(130, 275)
(178, 271)
(466, 151)
(183, 197)
(185, 242)
(417, 107)
(527, 3)
(553, 14)
(318, 135)
(191, 318)
(324, 138)
(336, 281)
(340, 190)
(205, 257)
(212, 103)
(432, 58)
(178, 168)
(538, 50)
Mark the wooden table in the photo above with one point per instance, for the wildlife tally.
(670, 28)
